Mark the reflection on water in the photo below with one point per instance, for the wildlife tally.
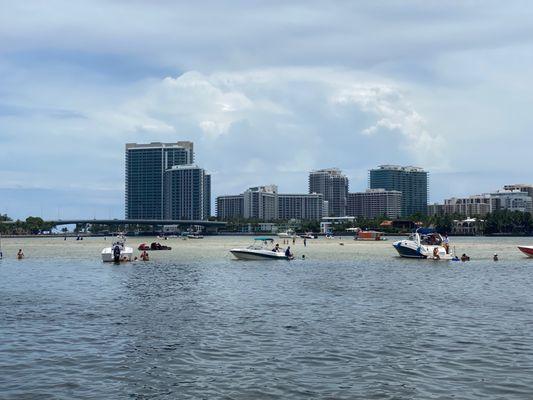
(348, 321)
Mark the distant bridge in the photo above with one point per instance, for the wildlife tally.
(55, 222)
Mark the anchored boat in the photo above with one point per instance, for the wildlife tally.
(423, 243)
(259, 250)
(118, 251)
(287, 234)
(369, 236)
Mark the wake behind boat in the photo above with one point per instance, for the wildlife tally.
(423, 243)
(118, 251)
(260, 250)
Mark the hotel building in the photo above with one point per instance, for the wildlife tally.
(157, 189)
(333, 185)
(412, 182)
(374, 203)
(301, 206)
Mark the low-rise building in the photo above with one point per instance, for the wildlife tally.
(512, 200)
(468, 227)
(479, 205)
(516, 198)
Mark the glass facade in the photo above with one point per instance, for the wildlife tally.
(411, 181)
(187, 193)
(145, 168)
(333, 185)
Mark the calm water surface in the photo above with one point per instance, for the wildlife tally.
(351, 321)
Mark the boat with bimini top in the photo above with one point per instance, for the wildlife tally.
(260, 250)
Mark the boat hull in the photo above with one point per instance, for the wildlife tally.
(107, 254)
(409, 249)
(246, 254)
(527, 250)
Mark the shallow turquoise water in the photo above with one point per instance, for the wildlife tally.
(351, 321)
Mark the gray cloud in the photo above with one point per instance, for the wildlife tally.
(266, 90)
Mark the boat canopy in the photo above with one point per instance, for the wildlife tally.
(425, 231)
(264, 238)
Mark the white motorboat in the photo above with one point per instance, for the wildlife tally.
(309, 235)
(194, 236)
(287, 234)
(118, 251)
(423, 243)
(259, 250)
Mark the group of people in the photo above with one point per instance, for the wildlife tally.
(288, 252)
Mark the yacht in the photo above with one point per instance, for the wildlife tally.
(423, 243)
(118, 251)
(259, 250)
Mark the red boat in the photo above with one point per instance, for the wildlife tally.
(527, 250)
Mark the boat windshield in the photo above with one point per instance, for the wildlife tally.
(261, 243)
(431, 239)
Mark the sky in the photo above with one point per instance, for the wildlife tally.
(267, 91)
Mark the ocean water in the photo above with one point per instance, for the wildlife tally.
(350, 321)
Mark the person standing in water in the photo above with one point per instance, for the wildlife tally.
(288, 253)
(20, 254)
(446, 243)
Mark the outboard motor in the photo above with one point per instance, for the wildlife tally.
(116, 254)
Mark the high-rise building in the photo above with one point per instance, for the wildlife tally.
(301, 206)
(411, 181)
(230, 207)
(333, 185)
(375, 203)
(187, 194)
(261, 202)
(521, 188)
(145, 168)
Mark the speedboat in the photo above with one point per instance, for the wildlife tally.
(118, 251)
(527, 250)
(259, 250)
(194, 236)
(423, 243)
(309, 235)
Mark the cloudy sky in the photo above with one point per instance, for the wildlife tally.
(266, 90)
